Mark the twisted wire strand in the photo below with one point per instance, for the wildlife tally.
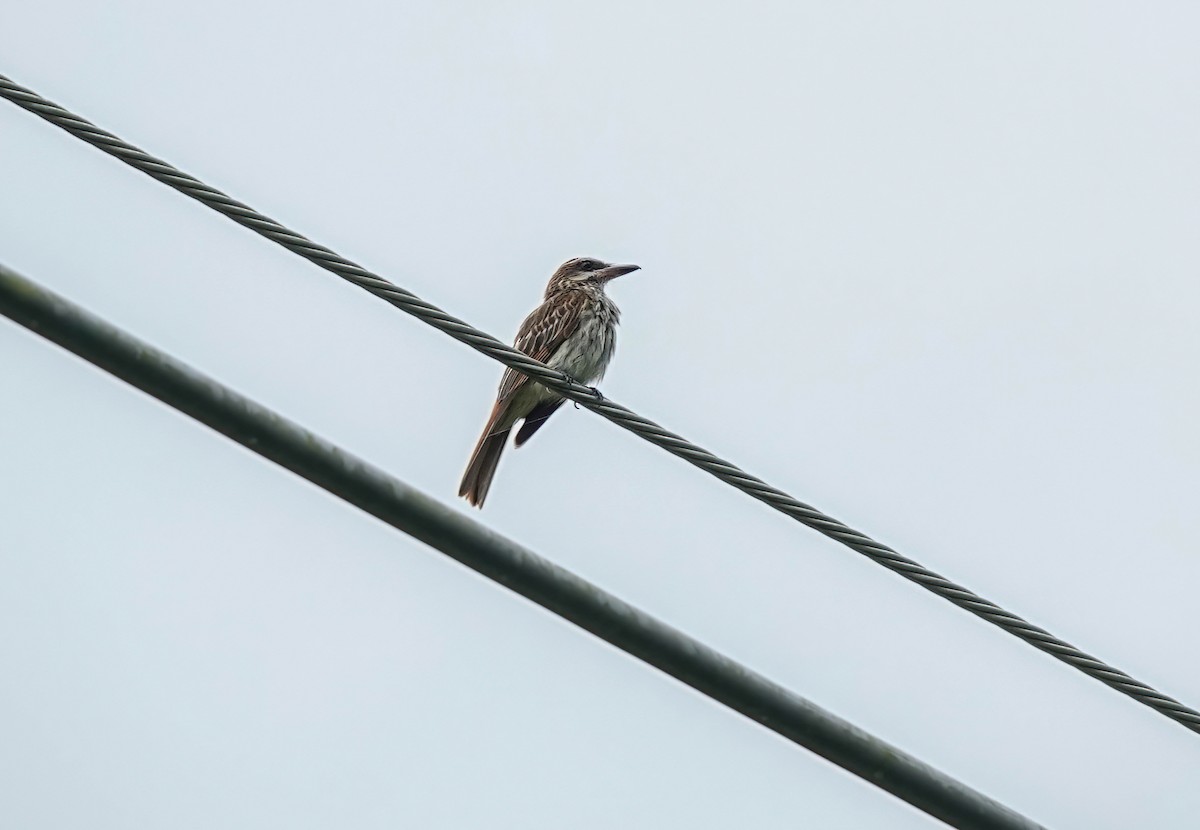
(588, 397)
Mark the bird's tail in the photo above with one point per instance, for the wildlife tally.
(482, 466)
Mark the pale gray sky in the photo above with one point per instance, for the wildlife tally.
(929, 266)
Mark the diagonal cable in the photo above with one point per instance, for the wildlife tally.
(500, 559)
(568, 388)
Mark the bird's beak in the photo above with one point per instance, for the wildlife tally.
(614, 271)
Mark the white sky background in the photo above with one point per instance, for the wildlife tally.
(928, 266)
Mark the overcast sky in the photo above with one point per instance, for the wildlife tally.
(929, 266)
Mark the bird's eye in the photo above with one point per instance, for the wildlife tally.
(589, 265)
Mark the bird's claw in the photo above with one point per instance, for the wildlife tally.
(599, 395)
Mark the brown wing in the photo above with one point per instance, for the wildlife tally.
(542, 333)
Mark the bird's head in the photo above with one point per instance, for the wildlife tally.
(585, 271)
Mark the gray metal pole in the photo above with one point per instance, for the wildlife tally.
(503, 560)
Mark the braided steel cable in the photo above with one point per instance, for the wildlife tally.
(590, 398)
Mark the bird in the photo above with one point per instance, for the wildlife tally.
(574, 330)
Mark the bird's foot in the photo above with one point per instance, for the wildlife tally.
(599, 395)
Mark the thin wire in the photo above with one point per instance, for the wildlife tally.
(586, 396)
